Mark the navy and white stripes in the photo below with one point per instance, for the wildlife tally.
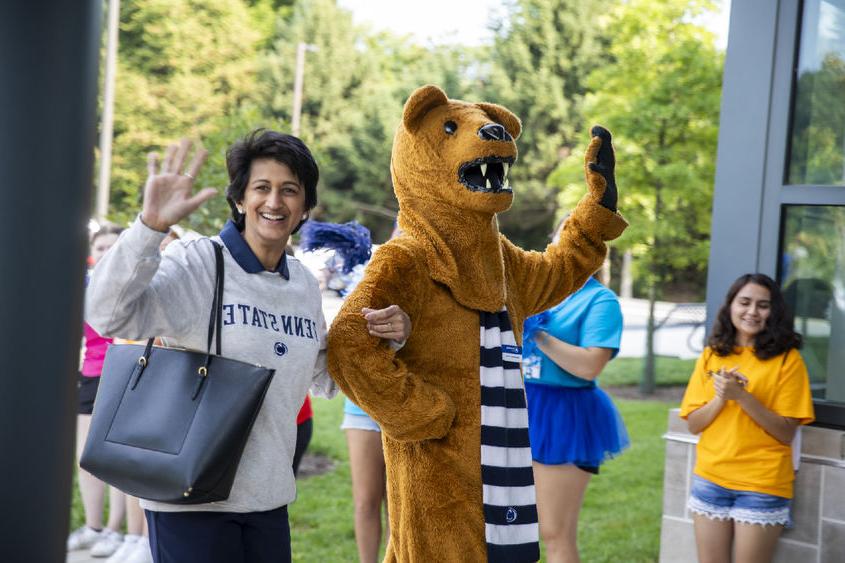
(510, 510)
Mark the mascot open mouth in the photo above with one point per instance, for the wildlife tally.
(488, 174)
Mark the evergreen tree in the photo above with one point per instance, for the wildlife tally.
(355, 85)
(542, 54)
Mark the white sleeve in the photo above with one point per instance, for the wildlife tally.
(322, 385)
(136, 293)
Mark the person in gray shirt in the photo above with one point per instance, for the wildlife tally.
(272, 316)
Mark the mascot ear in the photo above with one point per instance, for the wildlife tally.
(503, 116)
(422, 101)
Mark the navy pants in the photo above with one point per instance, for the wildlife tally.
(220, 537)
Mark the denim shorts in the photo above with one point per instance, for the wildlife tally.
(718, 503)
(359, 422)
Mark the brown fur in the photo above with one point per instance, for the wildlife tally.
(450, 263)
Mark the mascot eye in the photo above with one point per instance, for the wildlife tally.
(450, 127)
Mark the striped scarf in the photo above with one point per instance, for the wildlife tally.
(510, 510)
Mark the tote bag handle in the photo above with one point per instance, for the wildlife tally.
(215, 323)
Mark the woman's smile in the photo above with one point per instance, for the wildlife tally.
(273, 206)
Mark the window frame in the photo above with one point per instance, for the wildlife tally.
(777, 194)
(829, 414)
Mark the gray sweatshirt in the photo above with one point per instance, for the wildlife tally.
(136, 293)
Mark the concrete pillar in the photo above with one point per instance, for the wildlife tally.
(48, 69)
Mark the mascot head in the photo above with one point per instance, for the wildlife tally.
(454, 153)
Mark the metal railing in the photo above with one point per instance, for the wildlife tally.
(693, 315)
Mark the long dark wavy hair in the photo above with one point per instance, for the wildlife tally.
(778, 335)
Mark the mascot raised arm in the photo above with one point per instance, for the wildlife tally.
(451, 403)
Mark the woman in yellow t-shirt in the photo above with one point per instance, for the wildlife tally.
(747, 396)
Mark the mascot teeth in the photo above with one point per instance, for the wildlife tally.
(487, 174)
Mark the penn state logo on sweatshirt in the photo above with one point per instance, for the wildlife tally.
(290, 325)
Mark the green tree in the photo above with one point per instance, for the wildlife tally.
(660, 96)
(183, 65)
(355, 84)
(542, 54)
(818, 137)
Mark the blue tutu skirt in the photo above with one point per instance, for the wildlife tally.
(573, 425)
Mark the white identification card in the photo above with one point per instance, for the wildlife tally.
(512, 353)
(531, 367)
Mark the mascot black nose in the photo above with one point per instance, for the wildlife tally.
(494, 132)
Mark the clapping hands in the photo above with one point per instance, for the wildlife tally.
(729, 384)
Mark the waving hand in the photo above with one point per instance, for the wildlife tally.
(600, 167)
(168, 193)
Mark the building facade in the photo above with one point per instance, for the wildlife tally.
(779, 208)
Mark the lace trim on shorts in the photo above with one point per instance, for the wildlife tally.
(760, 516)
(698, 506)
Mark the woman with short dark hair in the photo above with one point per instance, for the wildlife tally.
(284, 149)
(748, 394)
(272, 315)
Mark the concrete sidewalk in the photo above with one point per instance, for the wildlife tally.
(83, 557)
(679, 336)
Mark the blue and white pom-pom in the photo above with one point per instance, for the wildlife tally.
(351, 241)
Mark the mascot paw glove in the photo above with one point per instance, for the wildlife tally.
(599, 165)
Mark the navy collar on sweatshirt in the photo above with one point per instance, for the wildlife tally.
(243, 254)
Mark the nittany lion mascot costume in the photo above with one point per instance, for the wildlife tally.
(451, 403)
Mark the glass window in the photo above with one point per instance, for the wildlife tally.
(812, 275)
(817, 150)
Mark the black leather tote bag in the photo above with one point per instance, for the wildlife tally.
(171, 425)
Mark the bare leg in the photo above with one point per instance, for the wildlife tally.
(117, 509)
(560, 493)
(135, 520)
(713, 539)
(754, 543)
(91, 489)
(366, 461)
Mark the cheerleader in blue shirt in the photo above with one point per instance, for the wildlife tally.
(573, 425)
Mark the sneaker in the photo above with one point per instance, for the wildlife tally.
(108, 543)
(82, 538)
(141, 552)
(125, 549)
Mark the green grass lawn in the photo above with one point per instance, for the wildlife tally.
(620, 520)
(629, 371)
(77, 516)
(321, 521)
